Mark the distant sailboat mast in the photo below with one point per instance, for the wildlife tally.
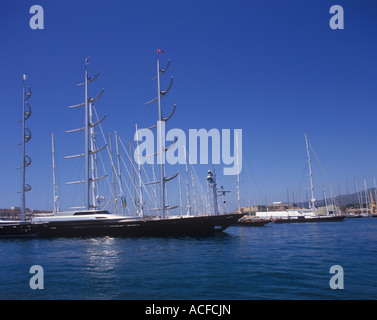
(238, 175)
(312, 201)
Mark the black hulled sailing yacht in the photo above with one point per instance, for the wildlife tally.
(94, 222)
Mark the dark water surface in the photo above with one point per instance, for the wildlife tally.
(290, 261)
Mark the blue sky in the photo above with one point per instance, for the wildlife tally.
(274, 69)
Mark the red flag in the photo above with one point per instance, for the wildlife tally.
(159, 50)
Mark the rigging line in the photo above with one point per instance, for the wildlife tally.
(127, 188)
(207, 202)
(155, 186)
(75, 194)
(194, 193)
(300, 184)
(107, 204)
(319, 164)
(107, 177)
(104, 139)
(129, 175)
(248, 184)
(250, 192)
(125, 182)
(255, 180)
(152, 186)
(199, 186)
(94, 169)
(133, 196)
(129, 191)
(108, 151)
(198, 183)
(129, 158)
(125, 166)
(197, 178)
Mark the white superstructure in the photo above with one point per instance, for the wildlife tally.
(289, 213)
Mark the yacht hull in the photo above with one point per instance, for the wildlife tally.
(308, 220)
(17, 229)
(159, 227)
(252, 222)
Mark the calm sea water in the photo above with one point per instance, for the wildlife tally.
(273, 262)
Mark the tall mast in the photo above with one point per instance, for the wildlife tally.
(161, 138)
(357, 192)
(332, 198)
(26, 136)
(180, 193)
(113, 174)
(194, 194)
(53, 174)
(86, 154)
(238, 176)
(133, 178)
(141, 213)
(187, 185)
(119, 173)
(366, 197)
(92, 160)
(324, 197)
(310, 173)
(89, 152)
(161, 149)
(23, 153)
